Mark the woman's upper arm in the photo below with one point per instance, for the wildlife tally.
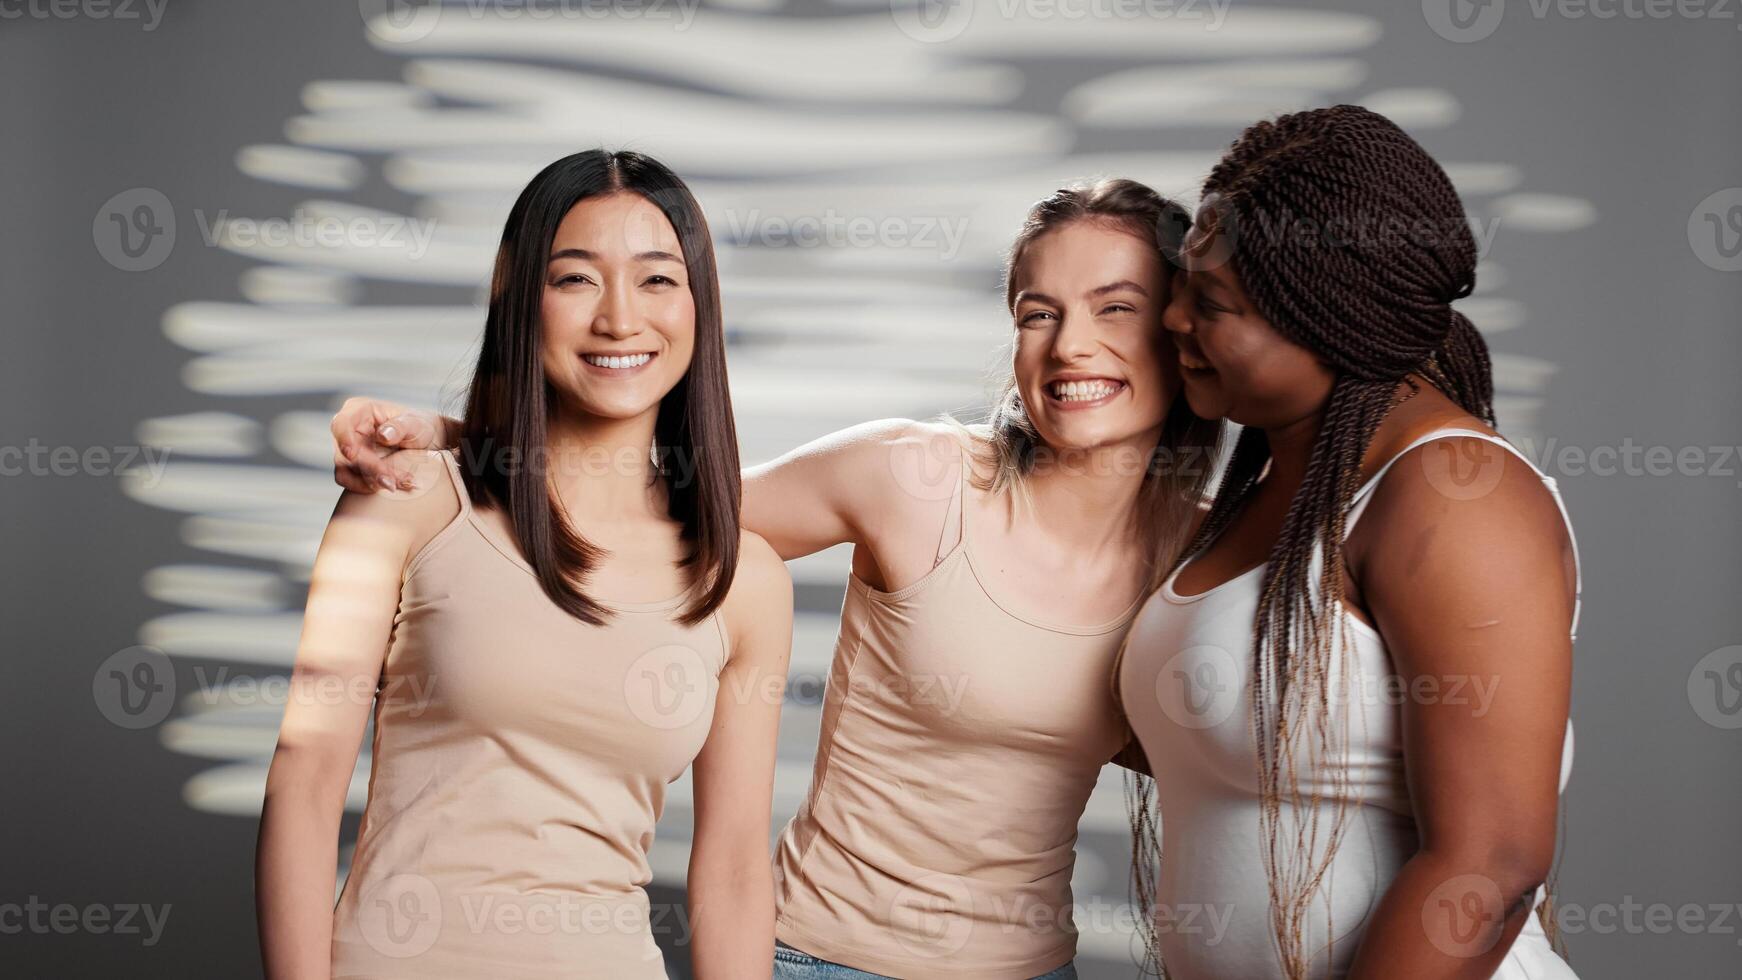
(1474, 603)
(352, 598)
(828, 491)
(734, 773)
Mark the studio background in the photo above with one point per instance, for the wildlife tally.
(863, 168)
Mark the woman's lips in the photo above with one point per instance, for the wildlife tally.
(1194, 365)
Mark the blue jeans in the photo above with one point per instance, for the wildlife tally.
(795, 964)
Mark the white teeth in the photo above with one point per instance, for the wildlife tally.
(631, 361)
(1083, 391)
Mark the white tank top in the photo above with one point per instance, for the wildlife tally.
(1183, 682)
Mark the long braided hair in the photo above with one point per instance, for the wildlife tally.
(1352, 242)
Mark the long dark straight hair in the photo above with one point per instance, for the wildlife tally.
(503, 432)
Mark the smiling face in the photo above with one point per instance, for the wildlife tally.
(1092, 364)
(1234, 364)
(618, 323)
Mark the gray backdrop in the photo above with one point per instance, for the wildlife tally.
(862, 167)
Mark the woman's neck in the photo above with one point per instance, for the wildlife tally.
(1089, 496)
(1291, 448)
(600, 468)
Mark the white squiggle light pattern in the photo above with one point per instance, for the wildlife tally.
(774, 119)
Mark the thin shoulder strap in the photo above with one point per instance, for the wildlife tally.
(451, 457)
(452, 467)
(956, 507)
(1358, 504)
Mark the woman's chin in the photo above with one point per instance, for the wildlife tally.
(613, 409)
(1075, 439)
(1205, 401)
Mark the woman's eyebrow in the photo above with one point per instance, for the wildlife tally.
(1032, 295)
(1114, 287)
(580, 253)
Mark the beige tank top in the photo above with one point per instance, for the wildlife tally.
(961, 736)
(520, 760)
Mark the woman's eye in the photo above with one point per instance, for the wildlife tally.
(1033, 316)
(1118, 308)
(660, 281)
(572, 279)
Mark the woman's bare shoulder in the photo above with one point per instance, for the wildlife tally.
(761, 585)
(404, 521)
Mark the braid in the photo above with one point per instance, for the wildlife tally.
(1352, 242)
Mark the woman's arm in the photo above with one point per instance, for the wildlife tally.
(353, 594)
(873, 477)
(1474, 599)
(731, 885)
(851, 486)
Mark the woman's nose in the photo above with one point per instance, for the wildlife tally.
(1074, 338)
(615, 315)
(1173, 315)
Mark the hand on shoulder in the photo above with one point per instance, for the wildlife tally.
(409, 517)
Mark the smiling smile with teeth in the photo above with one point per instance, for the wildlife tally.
(1089, 390)
(617, 362)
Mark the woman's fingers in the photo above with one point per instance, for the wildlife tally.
(408, 430)
(354, 424)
